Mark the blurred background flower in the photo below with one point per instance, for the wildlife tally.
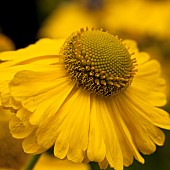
(68, 18)
(51, 163)
(138, 18)
(146, 21)
(12, 155)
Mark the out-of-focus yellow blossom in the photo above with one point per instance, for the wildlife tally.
(138, 18)
(12, 156)
(5, 43)
(67, 19)
(47, 162)
(94, 98)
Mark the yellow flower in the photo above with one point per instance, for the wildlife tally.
(94, 98)
(57, 25)
(138, 18)
(51, 163)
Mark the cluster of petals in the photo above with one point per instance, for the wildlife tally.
(52, 111)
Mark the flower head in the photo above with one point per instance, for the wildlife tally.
(94, 100)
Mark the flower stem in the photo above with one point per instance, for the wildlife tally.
(32, 162)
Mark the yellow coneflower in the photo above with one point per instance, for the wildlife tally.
(95, 99)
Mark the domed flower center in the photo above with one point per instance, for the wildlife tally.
(98, 61)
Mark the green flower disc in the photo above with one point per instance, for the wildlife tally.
(98, 61)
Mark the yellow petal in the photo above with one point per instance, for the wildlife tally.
(61, 146)
(29, 83)
(156, 116)
(30, 144)
(150, 68)
(69, 121)
(96, 148)
(17, 128)
(63, 128)
(148, 83)
(23, 115)
(132, 47)
(125, 145)
(144, 134)
(49, 92)
(104, 128)
(104, 164)
(124, 131)
(47, 104)
(42, 47)
(8, 73)
(142, 58)
(75, 154)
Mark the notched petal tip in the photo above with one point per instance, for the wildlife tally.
(17, 128)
